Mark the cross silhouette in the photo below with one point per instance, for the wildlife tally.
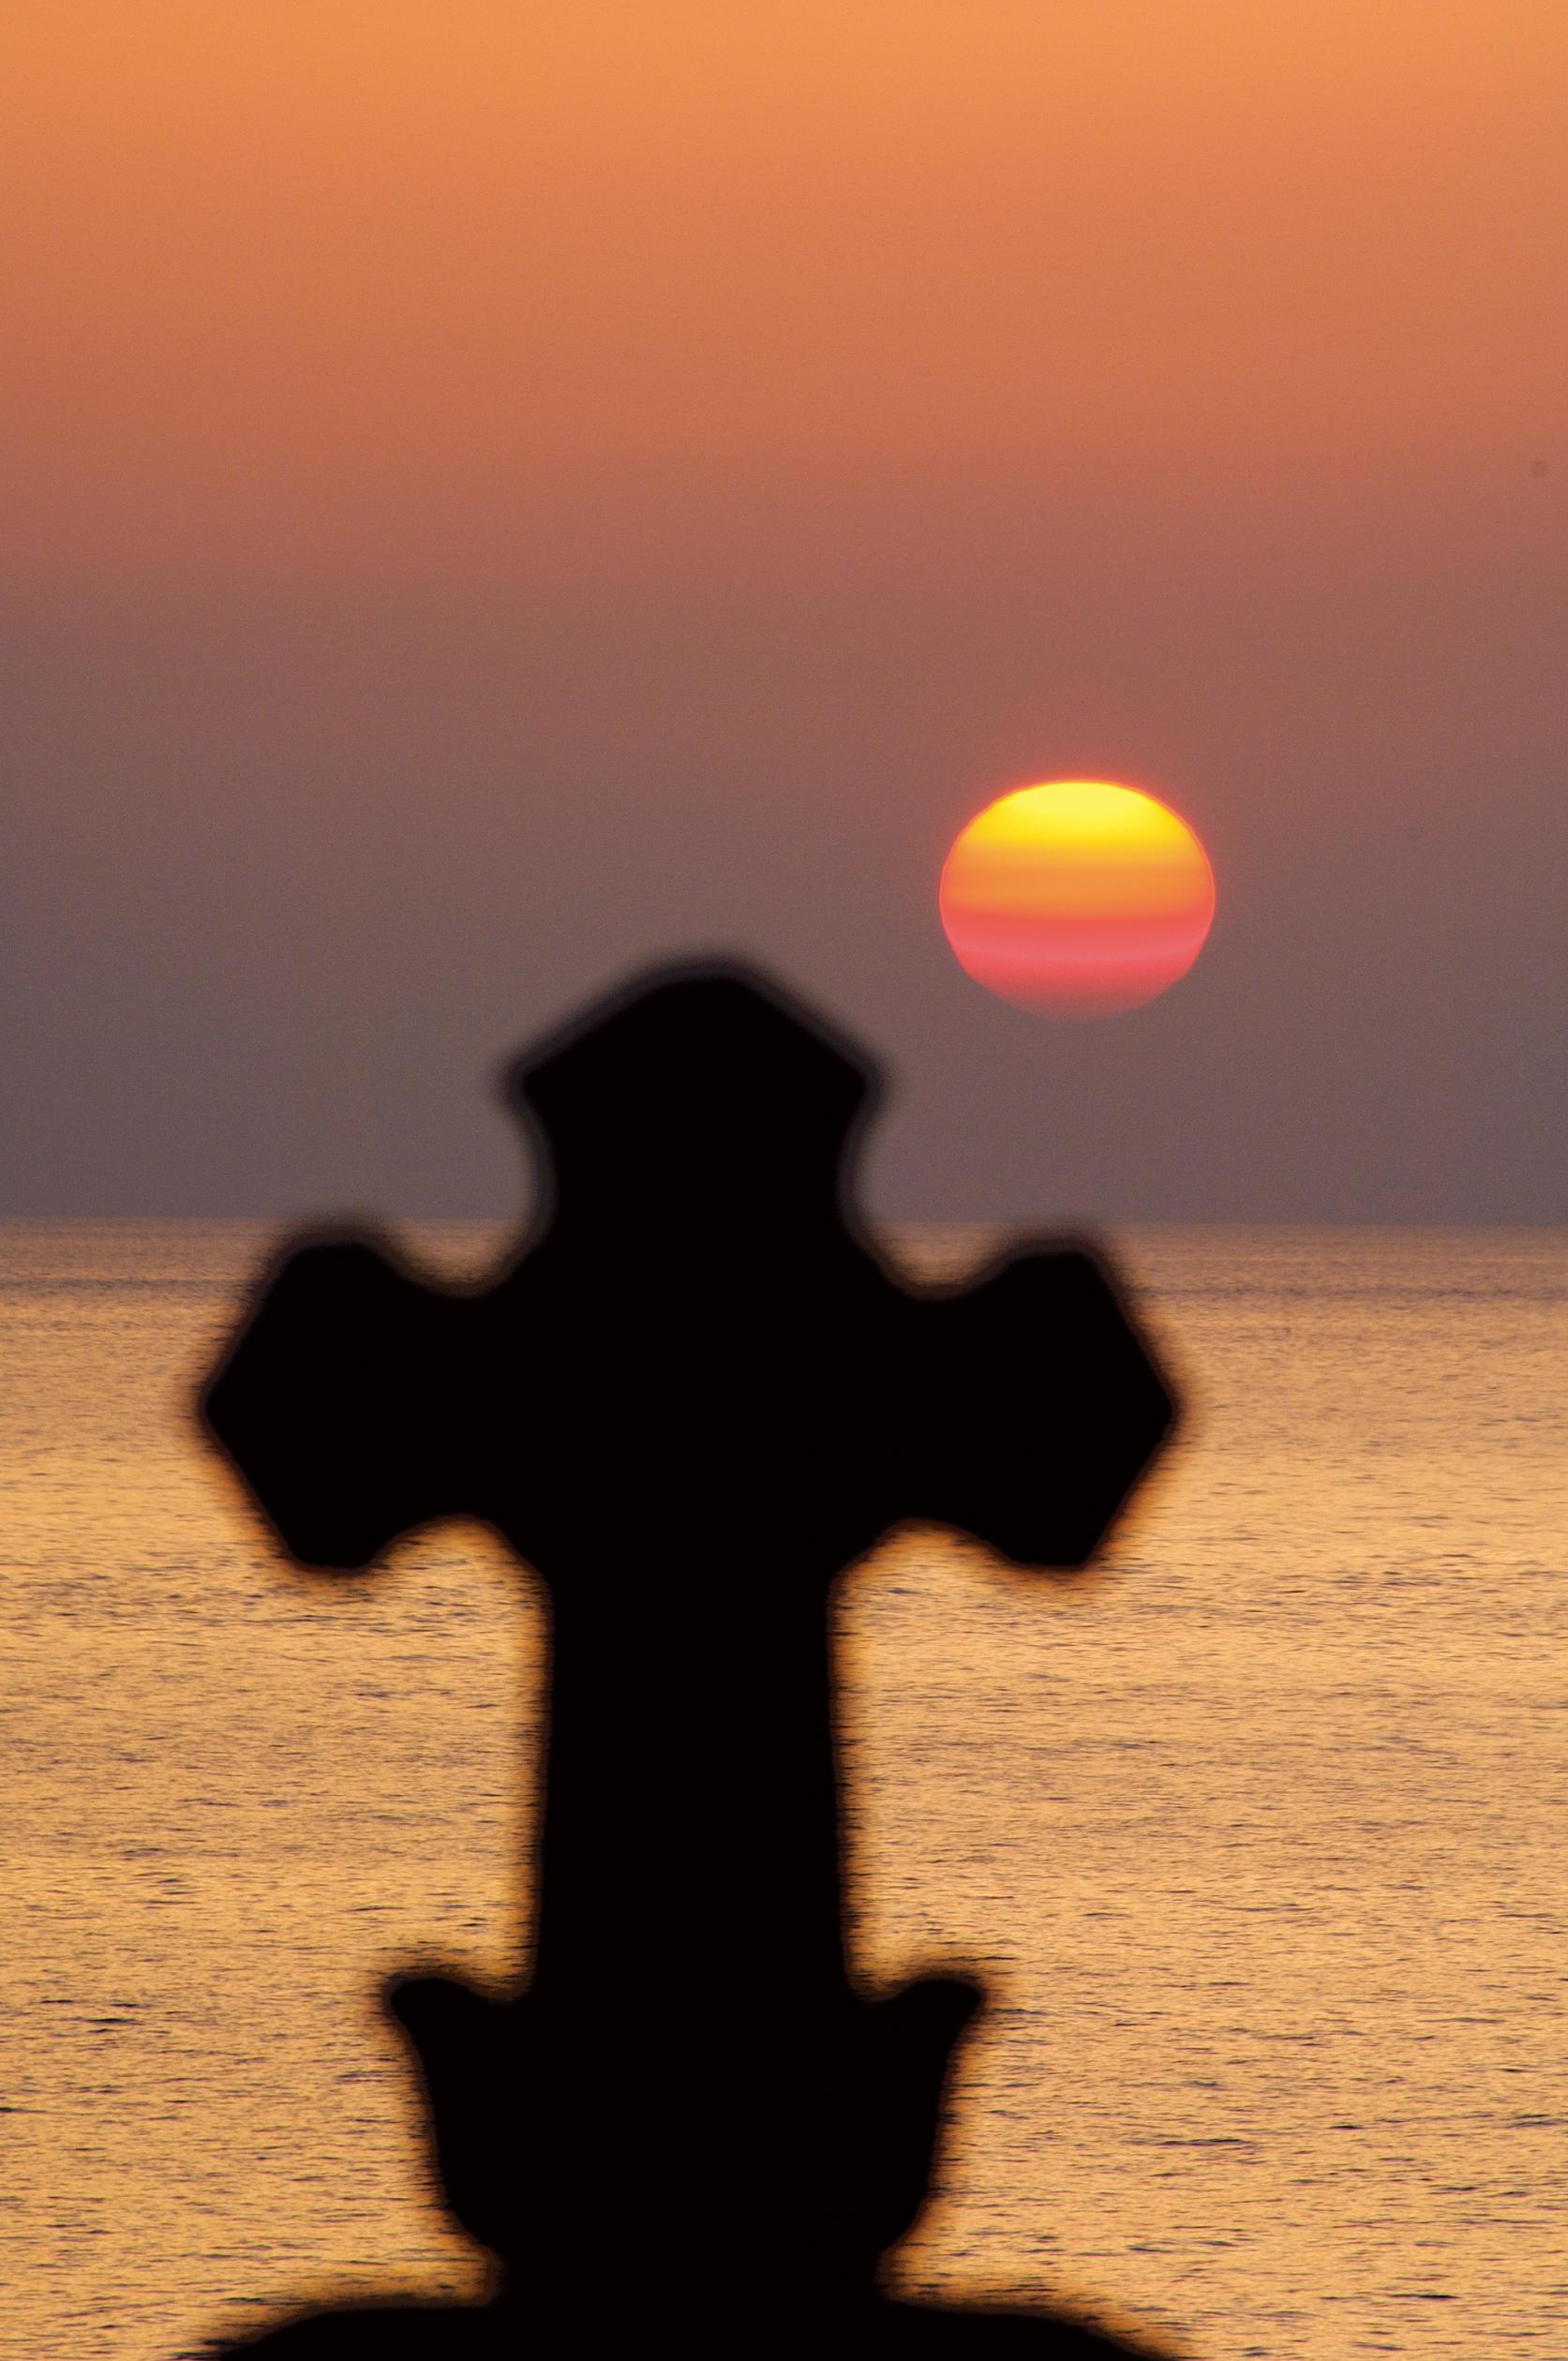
(695, 1398)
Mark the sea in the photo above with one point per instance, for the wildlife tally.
(1258, 1833)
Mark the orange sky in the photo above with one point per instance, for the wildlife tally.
(596, 286)
(497, 491)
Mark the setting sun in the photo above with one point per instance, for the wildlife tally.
(1077, 898)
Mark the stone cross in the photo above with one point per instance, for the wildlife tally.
(696, 1396)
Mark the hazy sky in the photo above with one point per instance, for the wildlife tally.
(497, 494)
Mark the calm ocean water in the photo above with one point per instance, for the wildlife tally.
(1260, 1835)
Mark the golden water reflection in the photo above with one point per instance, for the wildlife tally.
(1258, 1836)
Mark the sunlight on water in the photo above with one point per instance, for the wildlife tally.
(1259, 1834)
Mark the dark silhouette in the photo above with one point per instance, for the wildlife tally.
(694, 1399)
